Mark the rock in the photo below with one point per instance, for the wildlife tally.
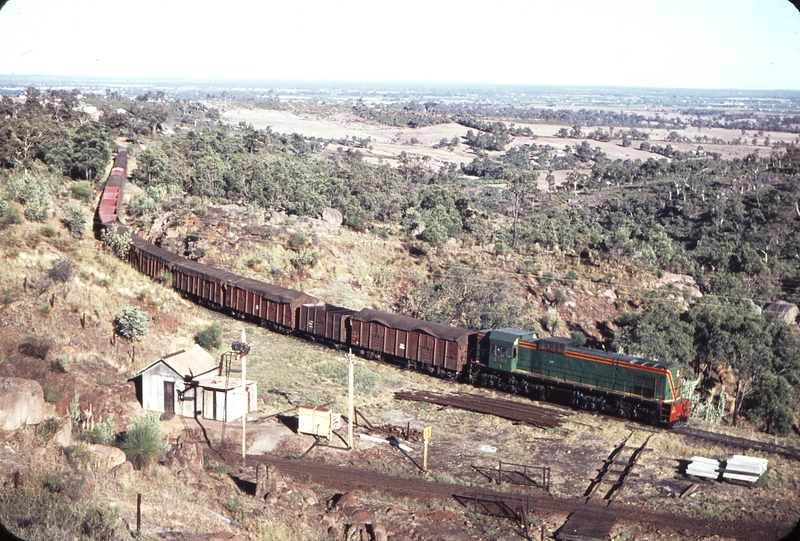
(22, 403)
(105, 457)
(123, 472)
(685, 284)
(609, 294)
(782, 311)
(63, 437)
(185, 454)
(261, 481)
(332, 216)
(380, 533)
(276, 217)
(348, 499)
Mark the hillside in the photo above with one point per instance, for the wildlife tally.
(672, 259)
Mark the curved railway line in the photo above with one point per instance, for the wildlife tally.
(506, 503)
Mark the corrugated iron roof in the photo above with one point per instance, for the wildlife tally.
(192, 362)
(407, 323)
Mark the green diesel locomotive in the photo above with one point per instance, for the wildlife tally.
(560, 370)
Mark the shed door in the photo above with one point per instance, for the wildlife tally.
(169, 397)
(209, 406)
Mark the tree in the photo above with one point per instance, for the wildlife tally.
(90, 152)
(521, 185)
(773, 402)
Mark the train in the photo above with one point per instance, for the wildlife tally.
(552, 369)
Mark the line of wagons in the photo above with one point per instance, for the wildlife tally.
(512, 360)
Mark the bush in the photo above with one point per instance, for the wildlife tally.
(143, 442)
(82, 191)
(304, 258)
(74, 220)
(46, 430)
(547, 278)
(78, 455)
(131, 324)
(50, 394)
(102, 433)
(11, 216)
(101, 523)
(210, 337)
(48, 231)
(297, 241)
(61, 271)
(35, 347)
(120, 244)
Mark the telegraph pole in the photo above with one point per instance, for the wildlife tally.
(245, 400)
(351, 408)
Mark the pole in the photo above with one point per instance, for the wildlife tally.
(351, 408)
(138, 512)
(245, 401)
(426, 435)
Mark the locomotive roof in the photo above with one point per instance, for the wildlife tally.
(639, 361)
(408, 323)
(510, 334)
(272, 292)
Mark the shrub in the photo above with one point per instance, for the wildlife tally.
(102, 433)
(143, 442)
(74, 220)
(78, 455)
(131, 323)
(298, 240)
(48, 231)
(35, 347)
(561, 297)
(210, 337)
(61, 271)
(50, 394)
(304, 258)
(547, 278)
(11, 215)
(579, 337)
(82, 191)
(101, 523)
(571, 275)
(120, 244)
(46, 430)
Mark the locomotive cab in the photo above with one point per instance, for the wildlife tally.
(499, 349)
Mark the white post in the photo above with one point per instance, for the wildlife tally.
(351, 409)
(244, 397)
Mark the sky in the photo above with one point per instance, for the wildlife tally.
(743, 44)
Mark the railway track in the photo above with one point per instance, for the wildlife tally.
(737, 442)
(503, 504)
(520, 412)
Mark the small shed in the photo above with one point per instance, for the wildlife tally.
(190, 383)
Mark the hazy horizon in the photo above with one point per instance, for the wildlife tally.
(686, 44)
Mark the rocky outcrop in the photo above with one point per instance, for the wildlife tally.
(782, 311)
(22, 404)
(332, 216)
(105, 457)
(185, 454)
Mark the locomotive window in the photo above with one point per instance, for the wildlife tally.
(643, 386)
(501, 351)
